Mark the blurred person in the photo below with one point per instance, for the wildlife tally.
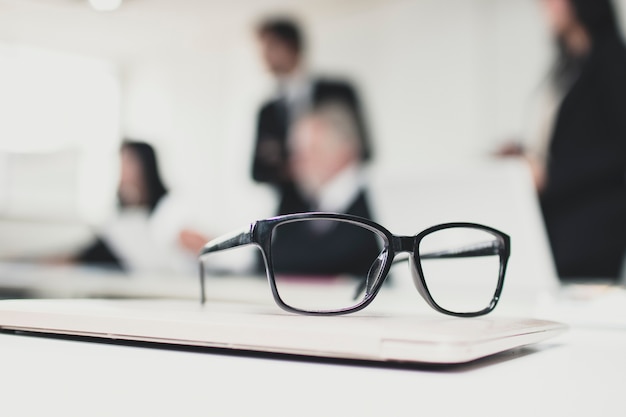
(144, 233)
(578, 160)
(327, 169)
(325, 162)
(282, 47)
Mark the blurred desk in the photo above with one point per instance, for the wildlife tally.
(29, 280)
(580, 373)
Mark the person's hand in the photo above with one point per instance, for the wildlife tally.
(192, 240)
(509, 149)
(537, 170)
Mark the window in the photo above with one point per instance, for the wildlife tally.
(59, 134)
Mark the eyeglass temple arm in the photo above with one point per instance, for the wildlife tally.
(229, 241)
(479, 249)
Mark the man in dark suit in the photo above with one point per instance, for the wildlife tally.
(298, 93)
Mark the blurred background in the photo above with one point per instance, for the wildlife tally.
(442, 81)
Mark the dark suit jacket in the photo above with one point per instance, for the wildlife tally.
(98, 253)
(584, 202)
(300, 249)
(271, 154)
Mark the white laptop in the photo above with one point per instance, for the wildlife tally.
(497, 193)
(430, 338)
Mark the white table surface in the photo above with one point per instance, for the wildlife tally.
(580, 373)
(577, 374)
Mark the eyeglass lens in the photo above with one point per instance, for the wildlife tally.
(324, 265)
(465, 283)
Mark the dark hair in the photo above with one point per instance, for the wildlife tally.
(599, 20)
(147, 158)
(597, 16)
(285, 29)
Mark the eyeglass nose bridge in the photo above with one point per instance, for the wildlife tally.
(403, 244)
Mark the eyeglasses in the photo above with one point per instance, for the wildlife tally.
(330, 264)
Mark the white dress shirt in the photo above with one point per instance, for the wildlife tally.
(338, 194)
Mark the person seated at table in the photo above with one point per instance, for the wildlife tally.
(327, 168)
(143, 234)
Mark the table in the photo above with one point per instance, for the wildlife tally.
(579, 373)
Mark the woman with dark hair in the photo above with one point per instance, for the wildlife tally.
(580, 164)
(584, 195)
(140, 182)
(133, 240)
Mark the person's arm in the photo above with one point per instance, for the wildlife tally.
(359, 114)
(270, 154)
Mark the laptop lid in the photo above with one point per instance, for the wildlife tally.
(434, 339)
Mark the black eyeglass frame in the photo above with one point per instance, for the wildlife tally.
(260, 232)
